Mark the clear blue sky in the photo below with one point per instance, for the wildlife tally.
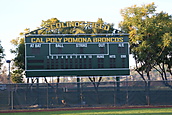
(16, 15)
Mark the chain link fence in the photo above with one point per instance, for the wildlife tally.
(85, 94)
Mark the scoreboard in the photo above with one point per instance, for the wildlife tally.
(76, 55)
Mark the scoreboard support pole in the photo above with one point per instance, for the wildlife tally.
(78, 83)
(96, 86)
(118, 83)
(117, 97)
(79, 90)
(37, 88)
(56, 89)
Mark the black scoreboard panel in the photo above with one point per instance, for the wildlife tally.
(61, 55)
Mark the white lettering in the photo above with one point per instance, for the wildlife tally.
(31, 45)
(123, 56)
(59, 45)
(37, 45)
(101, 45)
(81, 45)
(112, 56)
(100, 56)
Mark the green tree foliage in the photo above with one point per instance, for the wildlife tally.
(19, 52)
(17, 76)
(150, 38)
(1, 54)
(17, 73)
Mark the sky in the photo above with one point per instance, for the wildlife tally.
(16, 15)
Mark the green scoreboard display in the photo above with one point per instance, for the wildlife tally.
(76, 55)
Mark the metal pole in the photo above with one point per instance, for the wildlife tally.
(9, 75)
(78, 90)
(47, 97)
(10, 93)
(9, 61)
(118, 91)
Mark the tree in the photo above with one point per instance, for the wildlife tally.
(17, 73)
(4, 76)
(1, 54)
(150, 38)
(17, 76)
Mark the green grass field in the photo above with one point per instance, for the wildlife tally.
(140, 111)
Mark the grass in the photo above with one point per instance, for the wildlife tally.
(141, 111)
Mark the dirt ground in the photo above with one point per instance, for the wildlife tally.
(80, 108)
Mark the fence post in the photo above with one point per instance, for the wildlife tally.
(148, 92)
(78, 90)
(37, 87)
(47, 96)
(114, 93)
(118, 90)
(12, 100)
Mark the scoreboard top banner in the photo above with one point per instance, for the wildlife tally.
(76, 55)
(75, 39)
